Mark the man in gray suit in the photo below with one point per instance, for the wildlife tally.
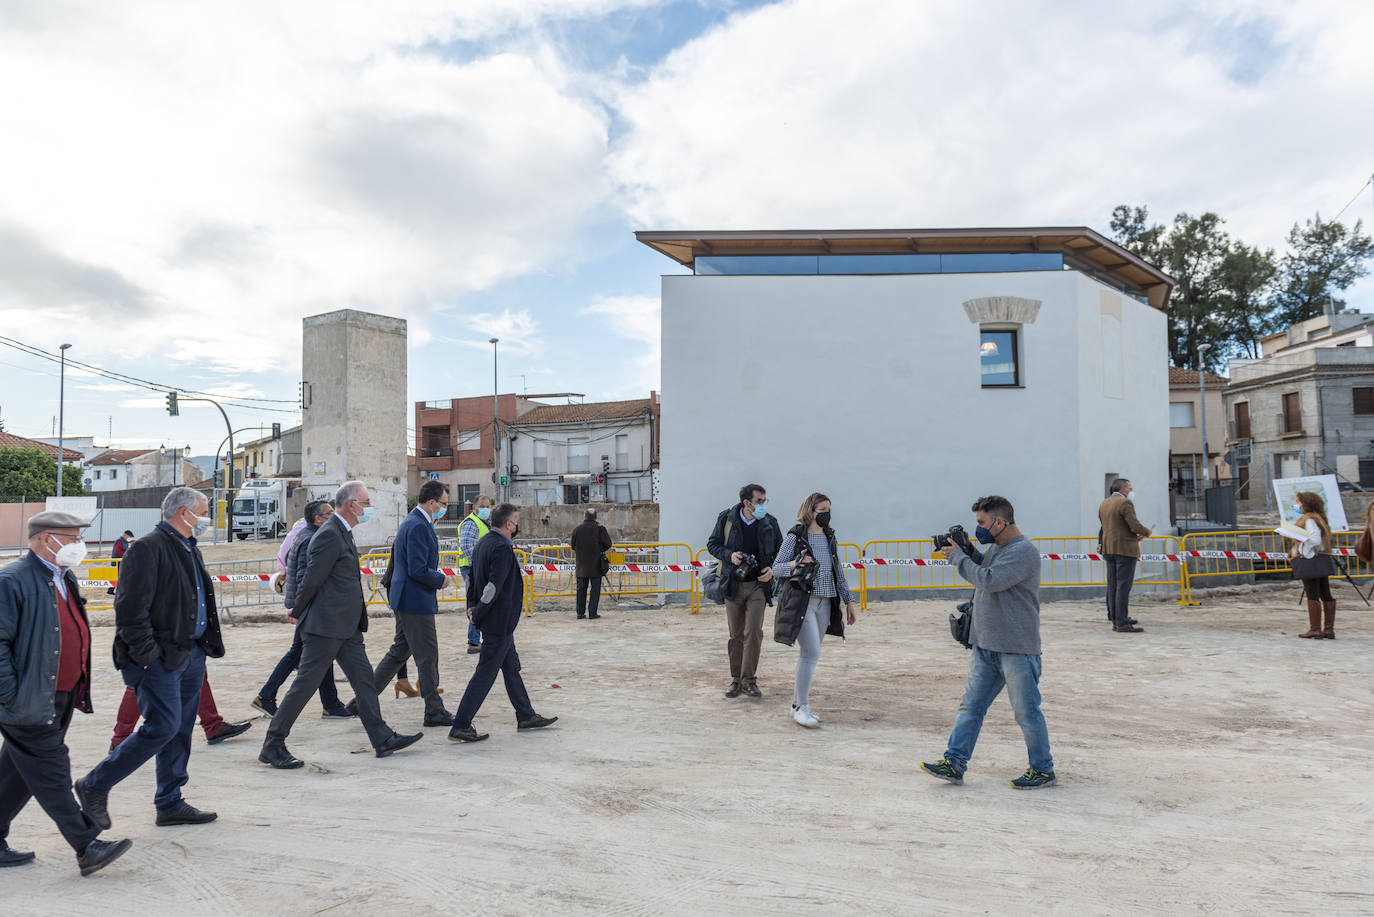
(333, 616)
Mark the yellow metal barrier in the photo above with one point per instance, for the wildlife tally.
(1060, 570)
(373, 593)
(546, 584)
(849, 553)
(1272, 545)
(906, 576)
(102, 574)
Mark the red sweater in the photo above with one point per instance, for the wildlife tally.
(74, 663)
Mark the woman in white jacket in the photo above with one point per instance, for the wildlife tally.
(1310, 557)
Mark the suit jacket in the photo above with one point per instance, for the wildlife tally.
(31, 643)
(1121, 531)
(155, 602)
(415, 552)
(330, 595)
(494, 561)
(589, 541)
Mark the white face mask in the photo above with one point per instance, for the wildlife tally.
(70, 555)
(203, 524)
(1131, 496)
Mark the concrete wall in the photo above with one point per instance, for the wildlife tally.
(868, 389)
(553, 524)
(354, 421)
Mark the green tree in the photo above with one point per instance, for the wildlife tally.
(1247, 278)
(27, 472)
(1324, 258)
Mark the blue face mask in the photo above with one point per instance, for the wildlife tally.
(484, 513)
(439, 513)
(365, 515)
(984, 535)
(760, 510)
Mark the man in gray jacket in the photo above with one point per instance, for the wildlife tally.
(1006, 644)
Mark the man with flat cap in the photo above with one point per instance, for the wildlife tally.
(45, 675)
(165, 626)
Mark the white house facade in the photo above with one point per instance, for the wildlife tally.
(597, 452)
(130, 469)
(906, 373)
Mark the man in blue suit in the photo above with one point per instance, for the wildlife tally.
(499, 587)
(413, 598)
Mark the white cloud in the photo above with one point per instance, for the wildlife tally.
(518, 332)
(881, 113)
(636, 319)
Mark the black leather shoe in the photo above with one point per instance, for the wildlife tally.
(99, 854)
(593, 617)
(752, 689)
(338, 713)
(582, 617)
(397, 742)
(11, 857)
(228, 731)
(352, 707)
(474, 648)
(275, 754)
(441, 719)
(536, 722)
(93, 804)
(185, 814)
(734, 689)
(467, 734)
(1128, 629)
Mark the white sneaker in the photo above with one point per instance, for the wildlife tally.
(804, 717)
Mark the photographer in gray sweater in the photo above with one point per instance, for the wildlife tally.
(1006, 644)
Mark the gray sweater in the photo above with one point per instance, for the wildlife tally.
(1006, 598)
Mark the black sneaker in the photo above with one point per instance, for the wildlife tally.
(1033, 779)
(733, 690)
(945, 770)
(752, 689)
(266, 705)
(536, 722)
(99, 854)
(228, 731)
(93, 804)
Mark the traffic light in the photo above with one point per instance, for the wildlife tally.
(605, 467)
(172, 409)
(276, 431)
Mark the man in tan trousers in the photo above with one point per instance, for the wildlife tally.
(1118, 541)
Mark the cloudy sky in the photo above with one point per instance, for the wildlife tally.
(183, 181)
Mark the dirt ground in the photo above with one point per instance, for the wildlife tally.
(1214, 764)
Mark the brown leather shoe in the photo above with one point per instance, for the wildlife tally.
(1329, 620)
(1128, 629)
(1314, 619)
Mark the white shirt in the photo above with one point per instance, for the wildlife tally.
(59, 578)
(1313, 542)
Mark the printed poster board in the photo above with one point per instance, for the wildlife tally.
(1323, 485)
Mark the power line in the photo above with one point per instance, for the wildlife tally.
(1353, 199)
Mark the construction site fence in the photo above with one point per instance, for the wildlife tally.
(665, 569)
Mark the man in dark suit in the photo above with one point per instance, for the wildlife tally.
(45, 676)
(589, 542)
(333, 616)
(498, 582)
(414, 599)
(165, 626)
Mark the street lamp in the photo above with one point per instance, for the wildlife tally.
(495, 421)
(62, 400)
(1202, 389)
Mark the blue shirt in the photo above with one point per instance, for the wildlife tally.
(202, 618)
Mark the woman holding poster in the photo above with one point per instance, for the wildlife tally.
(1312, 563)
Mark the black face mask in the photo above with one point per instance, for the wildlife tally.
(823, 520)
(514, 533)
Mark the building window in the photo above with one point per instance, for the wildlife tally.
(463, 494)
(541, 457)
(1364, 400)
(470, 440)
(1367, 473)
(622, 452)
(576, 493)
(578, 462)
(999, 360)
(622, 493)
(1180, 414)
(97, 474)
(1292, 413)
(1242, 420)
(114, 473)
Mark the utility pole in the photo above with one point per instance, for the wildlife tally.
(496, 423)
(61, 411)
(1202, 389)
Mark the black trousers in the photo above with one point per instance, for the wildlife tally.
(582, 582)
(35, 764)
(415, 635)
(498, 655)
(1120, 578)
(316, 657)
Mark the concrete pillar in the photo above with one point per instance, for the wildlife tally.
(354, 412)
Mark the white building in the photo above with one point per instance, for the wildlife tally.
(906, 372)
(271, 456)
(83, 444)
(585, 453)
(130, 469)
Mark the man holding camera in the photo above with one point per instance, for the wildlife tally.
(745, 540)
(1005, 643)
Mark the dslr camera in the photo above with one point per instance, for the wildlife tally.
(747, 563)
(956, 536)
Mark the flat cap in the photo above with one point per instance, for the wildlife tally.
(46, 521)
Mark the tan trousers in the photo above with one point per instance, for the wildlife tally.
(745, 616)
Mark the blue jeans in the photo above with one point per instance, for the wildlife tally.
(168, 702)
(988, 672)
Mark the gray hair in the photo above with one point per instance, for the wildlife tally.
(349, 491)
(181, 498)
(1119, 484)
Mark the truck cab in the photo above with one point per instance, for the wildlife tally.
(259, 508)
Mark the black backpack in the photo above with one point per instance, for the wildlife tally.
(390, 570)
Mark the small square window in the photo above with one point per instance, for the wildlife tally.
(999, 360)
(1364, 400)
